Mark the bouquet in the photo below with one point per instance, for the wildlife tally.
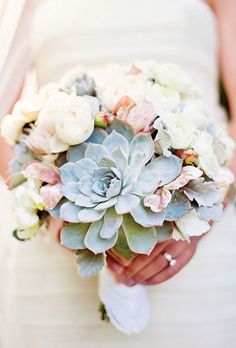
(125, 157)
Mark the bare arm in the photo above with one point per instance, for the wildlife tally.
(226, 14)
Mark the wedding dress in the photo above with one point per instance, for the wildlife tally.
(43, 301)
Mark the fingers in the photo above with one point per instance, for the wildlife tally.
(140, 262)
(114, 265)
(123, 262)
(168, 272)
(55, 227)
(156, 265)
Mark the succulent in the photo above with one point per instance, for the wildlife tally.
(105, 182)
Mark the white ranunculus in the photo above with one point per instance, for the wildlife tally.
(149, 68)
(112, 91)
(26, 218)
(11, 127)
(223, 144)
(223, 179)
(47, 90)
(181, 126)
(29, 108)
(69, 118)
(203, 145)
(162, 98)
(27, 203)
(24, 111)
(171, 76)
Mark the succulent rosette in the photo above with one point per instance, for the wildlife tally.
(105, 182)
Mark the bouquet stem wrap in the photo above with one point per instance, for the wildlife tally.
(128, 308)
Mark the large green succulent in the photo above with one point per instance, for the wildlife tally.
(105, 182)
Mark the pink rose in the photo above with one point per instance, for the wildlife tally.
(140, 116)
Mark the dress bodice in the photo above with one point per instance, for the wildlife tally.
(71, 32)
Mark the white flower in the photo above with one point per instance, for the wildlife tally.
(25, 111)
(149, 68)
(190, 225)
(171, 76)
(223, 144)
(181, 126)
(162, 98)
(69, 118)
(27, 203)
(47, 90)
(223, 179)
(203, 145)
(11, 127)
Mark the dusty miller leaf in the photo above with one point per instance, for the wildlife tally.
(89, 264)
(203, 192)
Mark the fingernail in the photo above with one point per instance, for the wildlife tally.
(130, 282)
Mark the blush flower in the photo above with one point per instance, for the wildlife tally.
(139, 116)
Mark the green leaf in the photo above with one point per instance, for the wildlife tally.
(72, 236)
(121, 248)
(178, 206)
(88, 263)
(16, 235)
(15, 180)
(111, 224)
(123, 128)
(94, 242)
(164, 232)
(140, 239)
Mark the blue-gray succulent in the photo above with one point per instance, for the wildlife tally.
(105, 182)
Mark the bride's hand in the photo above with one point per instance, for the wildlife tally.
(155, 269)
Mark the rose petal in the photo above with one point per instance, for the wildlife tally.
(188, 173)
(42, 171)
(51, 195)
(125, 103)
(141, 117)
(158, 201)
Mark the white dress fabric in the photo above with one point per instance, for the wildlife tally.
(43, 303)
